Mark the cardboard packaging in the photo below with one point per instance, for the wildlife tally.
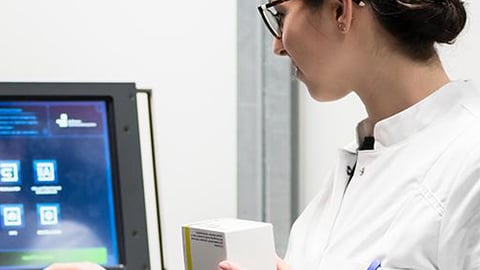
(249, 244)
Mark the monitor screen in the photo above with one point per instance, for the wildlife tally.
(57, 193)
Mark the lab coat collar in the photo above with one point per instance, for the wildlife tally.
(410, 121)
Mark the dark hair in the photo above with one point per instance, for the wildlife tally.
(417, 25)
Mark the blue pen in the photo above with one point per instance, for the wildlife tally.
(375, 265)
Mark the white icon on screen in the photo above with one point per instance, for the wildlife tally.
(9, 171)
(12, 216)
(48, 215)
(45, 171)
(64, 121)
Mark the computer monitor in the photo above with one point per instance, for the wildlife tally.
(72, 184)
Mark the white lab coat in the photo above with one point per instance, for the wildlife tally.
(413, 202)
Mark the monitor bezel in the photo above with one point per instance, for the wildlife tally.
(125, 154)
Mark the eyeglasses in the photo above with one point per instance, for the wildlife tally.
(273, 19)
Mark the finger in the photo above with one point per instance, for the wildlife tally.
(226, 265)
(282, 265)
(74, 266)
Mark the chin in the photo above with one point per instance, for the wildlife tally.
(324, 90)
(325, 93)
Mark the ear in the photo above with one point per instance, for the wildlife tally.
(343, 14)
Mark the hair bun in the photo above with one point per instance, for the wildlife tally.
(422, 20)
(450, 21)
(417, 24)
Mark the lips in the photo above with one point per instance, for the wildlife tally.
(295, 66)
(298, 72)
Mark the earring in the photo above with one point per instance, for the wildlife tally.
(342, 27)
(361, 3)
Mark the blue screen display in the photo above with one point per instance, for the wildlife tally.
(56, 189)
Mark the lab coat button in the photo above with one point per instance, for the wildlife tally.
(362, 170)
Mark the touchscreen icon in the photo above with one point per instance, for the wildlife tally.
(48, 214)
(12, 215)
(45, 171)
(9, 171)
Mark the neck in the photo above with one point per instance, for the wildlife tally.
(397, 83)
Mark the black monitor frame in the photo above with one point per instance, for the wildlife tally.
(125, 154)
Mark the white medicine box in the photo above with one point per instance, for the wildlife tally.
(250, 244)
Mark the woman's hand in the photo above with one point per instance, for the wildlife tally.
(74, 266)
(282, 265)
(226, 265)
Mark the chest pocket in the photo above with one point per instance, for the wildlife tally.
(411, 241)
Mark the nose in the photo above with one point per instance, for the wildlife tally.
(278, 48)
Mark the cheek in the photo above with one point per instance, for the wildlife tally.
(318, 55)
(308, 47)
(297, 43)
(290, 40)
(296, 34)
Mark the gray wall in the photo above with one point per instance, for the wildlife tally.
(267, 128)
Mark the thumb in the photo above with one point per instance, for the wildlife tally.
(282, 265)
(226, 265)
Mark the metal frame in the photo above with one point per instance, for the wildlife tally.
(151, 188)
(126, 158)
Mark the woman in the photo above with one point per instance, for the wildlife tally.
(406, 196)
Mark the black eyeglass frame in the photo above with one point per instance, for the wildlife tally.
(262, 9)
(265, 8)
